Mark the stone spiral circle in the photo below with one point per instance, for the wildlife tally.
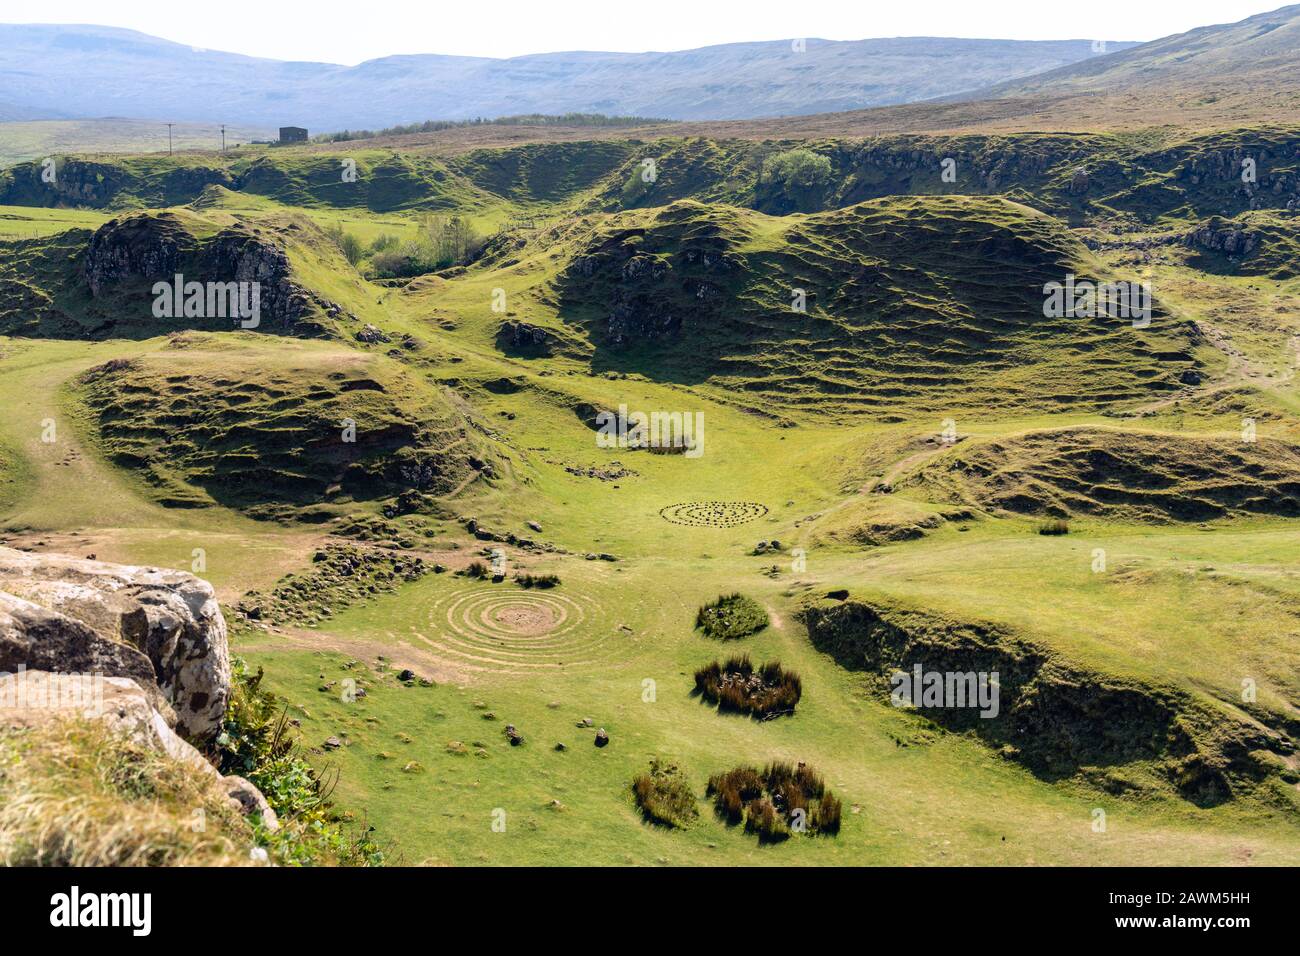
(713, 514)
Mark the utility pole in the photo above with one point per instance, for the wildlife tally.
(169, 139)
(223, 137)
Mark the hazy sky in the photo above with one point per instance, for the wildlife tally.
(349, 31)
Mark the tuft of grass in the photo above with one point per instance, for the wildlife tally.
(731, 617)
(738, 687)
(780, 800)
(75, 793)
(665, 796)
(1054, 527)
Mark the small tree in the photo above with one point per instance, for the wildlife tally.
(797, 169)
(348, 244)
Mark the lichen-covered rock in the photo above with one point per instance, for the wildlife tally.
(102, 612)
(33, 637)
(251, 800)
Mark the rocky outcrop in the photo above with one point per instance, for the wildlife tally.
(1226, 238)
(156, 247)
(80, 182)
(141, 649)
(515, 336)
(33, 698)
(161, 628)
(138, 247)
(34, 637)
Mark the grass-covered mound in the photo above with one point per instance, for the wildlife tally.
(777, 801)
(40, 285)
(873, 520)
(665, 796)
(1115, 474)
(254, 427)
(922, 302)
(543, 172)
(738, 687)
(340, 576)
(1055, 716)
(384, 180)
(730, 617)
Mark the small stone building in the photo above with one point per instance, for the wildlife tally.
(293, 134)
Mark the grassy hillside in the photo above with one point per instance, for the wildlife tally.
(879, 457)
(205, 421)
(1121, 475)
(930, 302)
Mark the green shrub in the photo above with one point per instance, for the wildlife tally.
(257, 743)
(797, 169)
(537, 580)
(1054, 527)
(443, 241)
(405, 260)
(730, 617)
(348, 244)
(664, 796)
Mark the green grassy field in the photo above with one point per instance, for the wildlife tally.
(903, 440)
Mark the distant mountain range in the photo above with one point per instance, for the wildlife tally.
(79, 72)
(1259, 54)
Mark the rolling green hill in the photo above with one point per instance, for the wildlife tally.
(904, 459)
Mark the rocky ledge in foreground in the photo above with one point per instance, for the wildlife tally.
(142, 649)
